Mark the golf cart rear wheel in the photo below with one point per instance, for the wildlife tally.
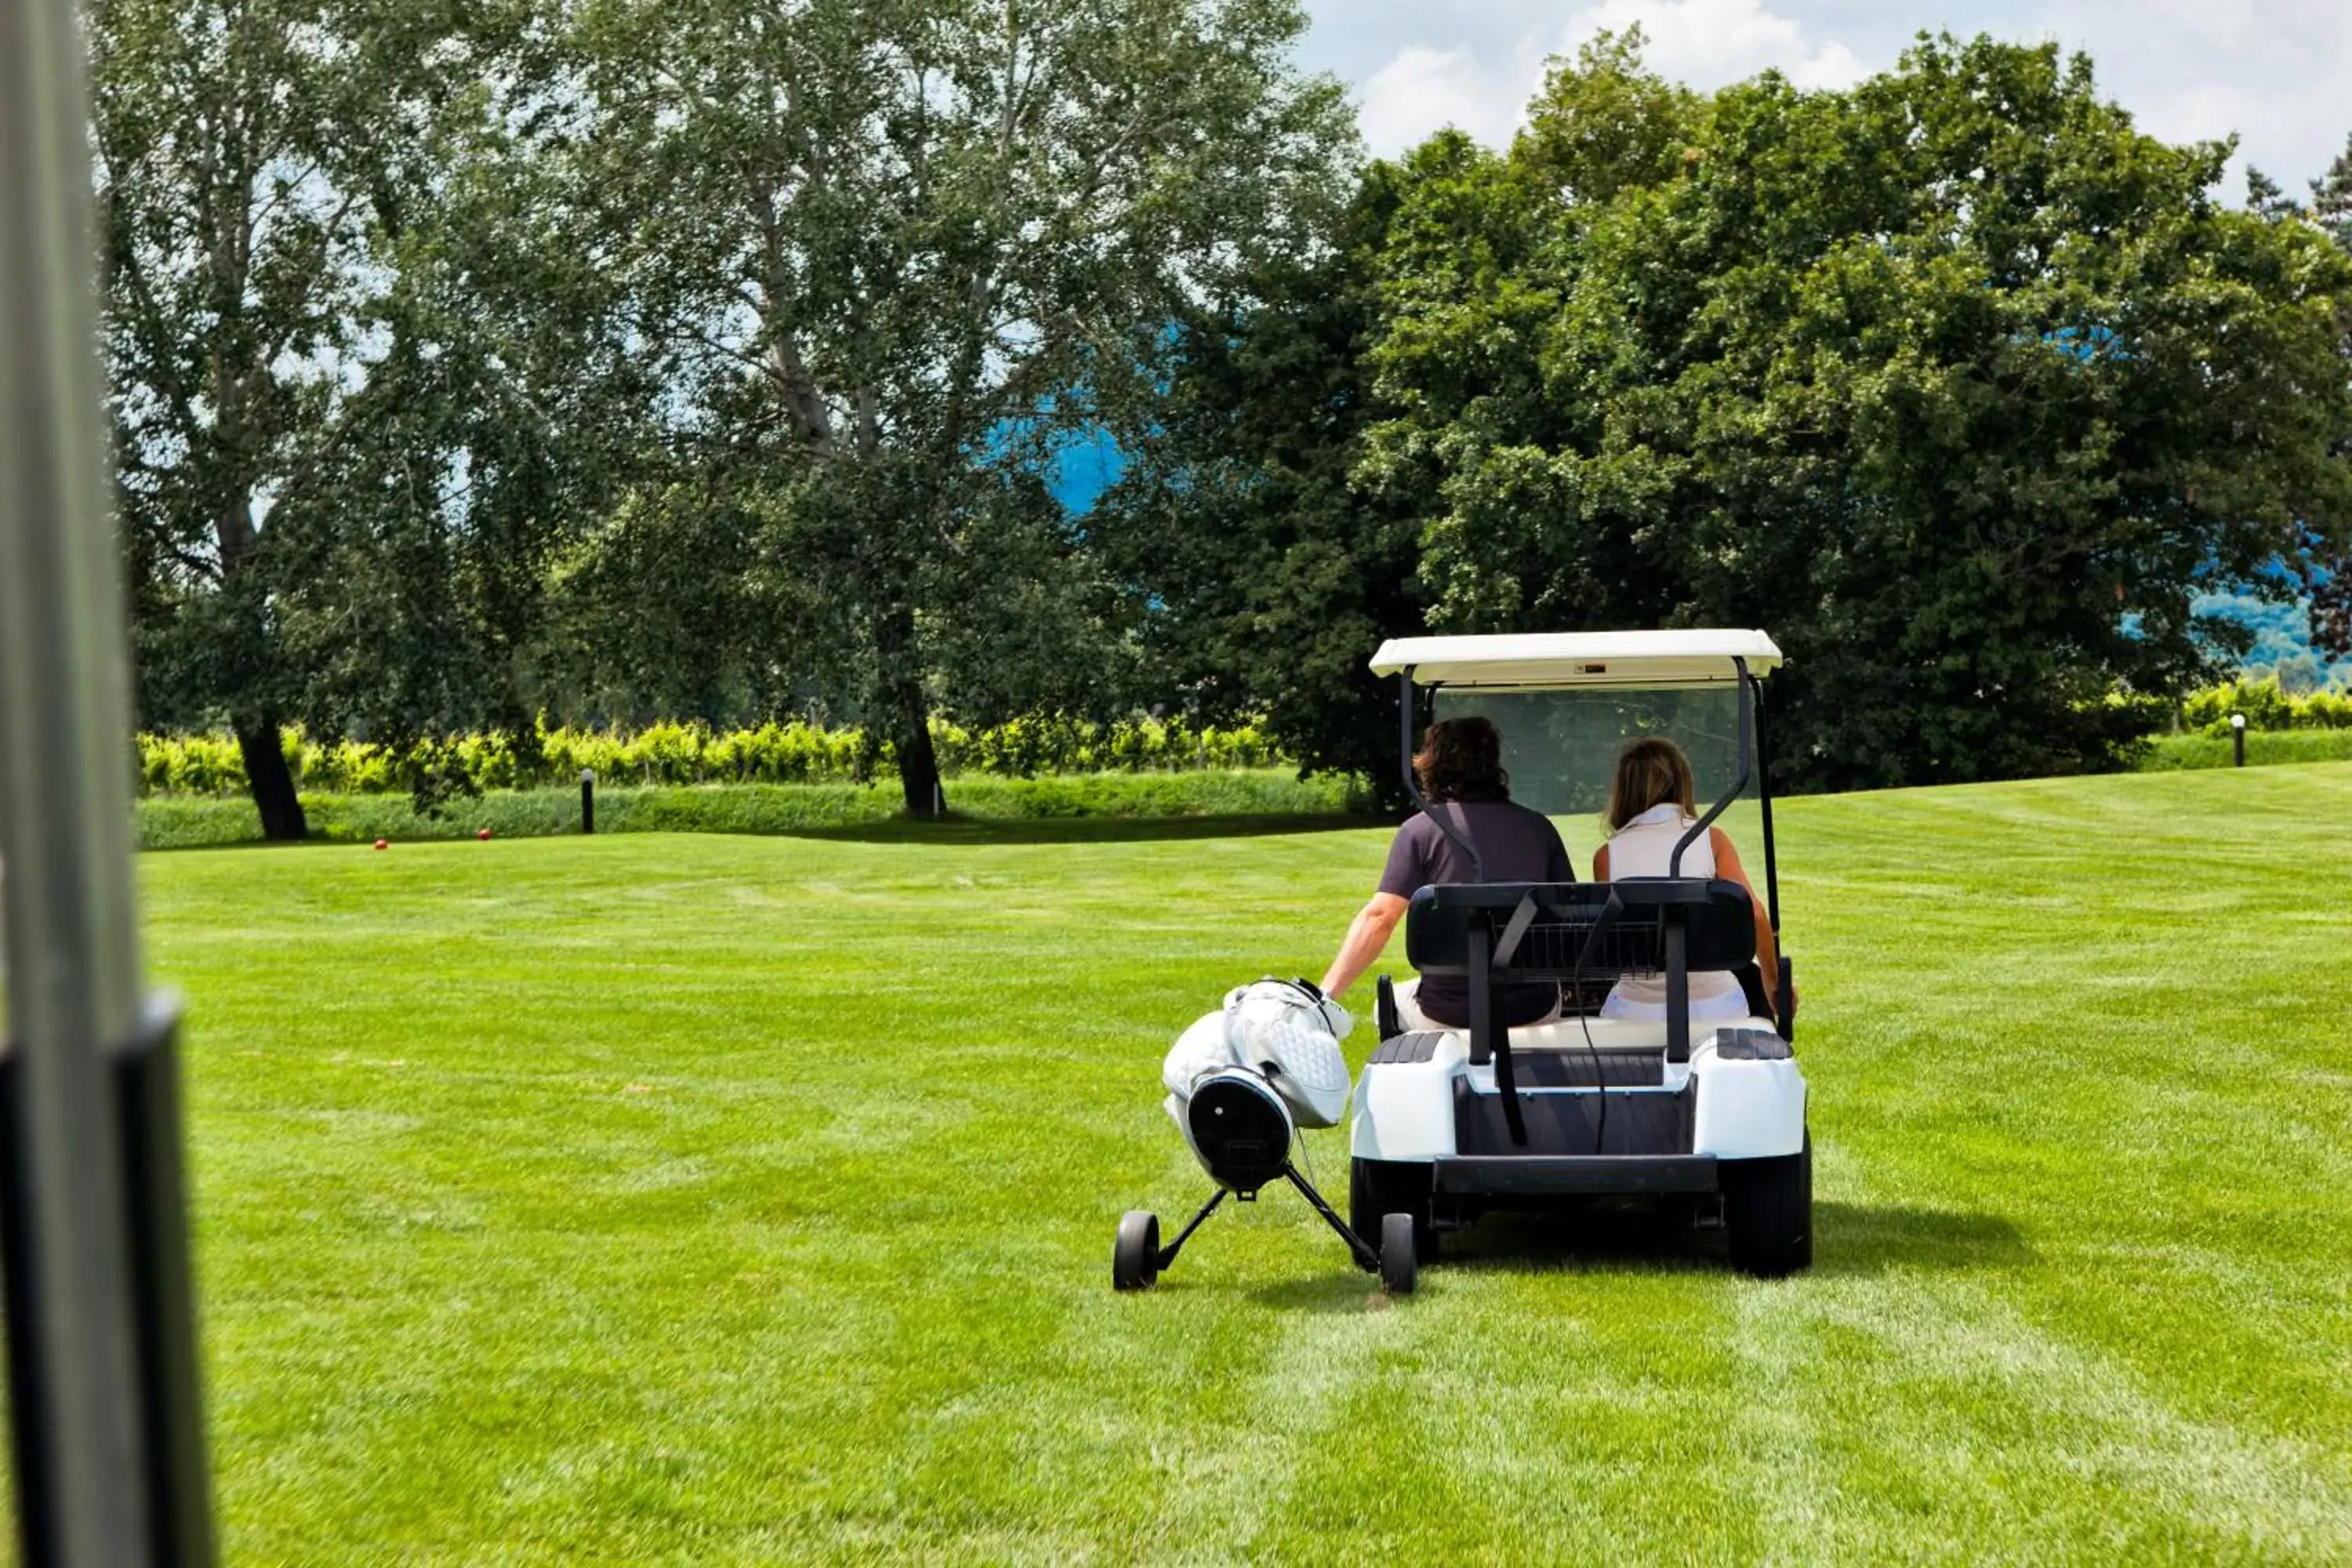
(1399, 1271)
(1135, 1263)
(1768, 1212)
(1377, 1188)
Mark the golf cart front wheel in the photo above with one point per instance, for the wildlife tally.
(1767, 1213)
(1399, 1262)
(1135, 1262)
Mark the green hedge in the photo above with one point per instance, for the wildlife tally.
(183, 822)
(2168, 752)
(2266, 707)
(669, 753)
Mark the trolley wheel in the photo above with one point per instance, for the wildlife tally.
(1135, 1262)
(1379, 1187)
(1400, 1267)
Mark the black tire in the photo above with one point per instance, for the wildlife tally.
(1768, 1212)
(1377, 1188)
(1135, 1262)
(1400, 1269)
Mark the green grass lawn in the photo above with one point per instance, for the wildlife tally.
(710, 1200)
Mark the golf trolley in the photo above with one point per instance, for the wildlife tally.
(1242, 1132)
(1708, 1121)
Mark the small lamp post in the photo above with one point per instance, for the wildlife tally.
(587, 800)
(2238, 736)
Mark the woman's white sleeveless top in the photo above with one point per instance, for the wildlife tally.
(1645, 847)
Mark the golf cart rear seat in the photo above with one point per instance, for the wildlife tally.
(1588, 933)
(1493, 934)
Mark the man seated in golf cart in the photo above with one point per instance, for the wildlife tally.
(1460, 770)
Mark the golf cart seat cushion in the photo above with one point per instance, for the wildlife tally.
(1720, 922)
(1610, 1035)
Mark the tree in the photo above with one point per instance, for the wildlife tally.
(1956, 382)
(2329, 572)
(1260, 577)
(345, 419)
(2331, 198)
(2265, 198)
(1275, 548)
(892, 254)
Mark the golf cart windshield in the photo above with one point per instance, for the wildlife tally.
(1565, 701)
(1560, 747)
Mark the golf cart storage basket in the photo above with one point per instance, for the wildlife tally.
(1557, 920)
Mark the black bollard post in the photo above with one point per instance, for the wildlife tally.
(587, 800)
(2238, 736)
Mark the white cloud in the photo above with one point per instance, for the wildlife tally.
(1423, 90)
(2279, 74)
(1706, 43)
(2280, 78)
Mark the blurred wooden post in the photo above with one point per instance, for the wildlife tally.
(2238, 736)
(587, 800)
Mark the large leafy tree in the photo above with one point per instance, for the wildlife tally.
(1260, 574)
(1272, 546)
(2331, 564)
(1957, 382)
(340, 402)
(891, 254)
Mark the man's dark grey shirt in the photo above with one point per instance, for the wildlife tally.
(1515, 844)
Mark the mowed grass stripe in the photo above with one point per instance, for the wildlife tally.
(709, 1200)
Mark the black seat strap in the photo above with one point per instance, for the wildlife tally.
(1506, 947)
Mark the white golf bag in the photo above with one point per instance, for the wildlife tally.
(1285, 1032)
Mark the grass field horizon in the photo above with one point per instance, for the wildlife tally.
(704, 1199)
(1209, 796)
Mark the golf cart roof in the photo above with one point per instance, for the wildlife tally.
(1550, 660)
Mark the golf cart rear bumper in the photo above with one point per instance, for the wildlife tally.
(1549, 1175)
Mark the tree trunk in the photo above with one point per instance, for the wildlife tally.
(271, 780)
(918, 764)
(909, 716)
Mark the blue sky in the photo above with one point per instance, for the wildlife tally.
(2277, 73)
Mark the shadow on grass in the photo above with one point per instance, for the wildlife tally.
(1340, 1287)
(1849, 1239)
(1077, 829)
(1865, 1238)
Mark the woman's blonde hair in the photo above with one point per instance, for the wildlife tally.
(1651, 770)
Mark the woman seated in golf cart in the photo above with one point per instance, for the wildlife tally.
(1460, 769)
(1649, 808)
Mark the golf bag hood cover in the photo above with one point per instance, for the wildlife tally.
(1285, 1030)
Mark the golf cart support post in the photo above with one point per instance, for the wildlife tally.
(106, 1418)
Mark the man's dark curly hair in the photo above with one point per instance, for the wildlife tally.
(1462, 759)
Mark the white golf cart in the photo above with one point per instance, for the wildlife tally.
(1450, 1123)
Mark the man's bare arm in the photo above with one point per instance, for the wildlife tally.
(1368, 937)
